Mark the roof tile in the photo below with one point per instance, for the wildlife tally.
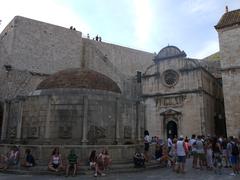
(229, 19)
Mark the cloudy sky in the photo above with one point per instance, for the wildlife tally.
(147, 25)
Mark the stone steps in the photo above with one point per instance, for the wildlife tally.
(115, 168)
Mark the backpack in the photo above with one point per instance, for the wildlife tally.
(235, 150)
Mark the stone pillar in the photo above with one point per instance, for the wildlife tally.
(164, 125)
(117, 118)
(138, 121)
(161, 126)
(47, 126)
(6, 108)
(85, 119)
(145, 117)
(179, 125)
(19, 118)
(202, 114)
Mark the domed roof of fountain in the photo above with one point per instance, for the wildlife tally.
(79, 78)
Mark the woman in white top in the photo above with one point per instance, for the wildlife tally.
(146, 145)
(55, 163)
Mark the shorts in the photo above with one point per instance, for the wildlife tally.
(181, 159)
(201, 156)
(194, 154)
(12, 162)
(55, 166)
(146, 146)
(234, 159)
(71, 165)
(92, 164)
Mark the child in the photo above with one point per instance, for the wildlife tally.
(29, 159)
(138, 159)
(217, 156)
(165, 157)
(92, 159)
(209, 156)
(72, 163)
(158, 152)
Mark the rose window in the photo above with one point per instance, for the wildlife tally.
(170, 77)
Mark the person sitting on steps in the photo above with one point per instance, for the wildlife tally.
(72, 163)
(29, 159)
(55, 162)
(11, 158)
(138, 159)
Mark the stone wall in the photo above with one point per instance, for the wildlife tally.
(74, 116)
(230, 53)
(18, 83)
(40, 47)
(126, 60)
(34, 46)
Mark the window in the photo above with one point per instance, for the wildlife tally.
(170, 78)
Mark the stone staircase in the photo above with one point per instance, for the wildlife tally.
(82, 170)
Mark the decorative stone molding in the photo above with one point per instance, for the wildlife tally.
(170, 101)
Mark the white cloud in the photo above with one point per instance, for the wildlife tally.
(50, 11)
(210, 48)
(143, 21)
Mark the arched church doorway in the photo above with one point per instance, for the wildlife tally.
(172, 130)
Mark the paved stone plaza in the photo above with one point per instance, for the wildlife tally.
(159, 173)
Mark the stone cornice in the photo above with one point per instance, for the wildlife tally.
(193, 91)
(230, 68)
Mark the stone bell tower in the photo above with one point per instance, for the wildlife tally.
(228, 29)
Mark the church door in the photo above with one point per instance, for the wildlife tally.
(171, 129)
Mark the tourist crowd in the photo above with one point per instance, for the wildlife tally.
(210, 153)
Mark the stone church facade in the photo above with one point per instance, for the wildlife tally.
(167, 93)
(181, 96)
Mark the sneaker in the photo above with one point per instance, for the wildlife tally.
(95, 175)
(232, 174)
(103, 174)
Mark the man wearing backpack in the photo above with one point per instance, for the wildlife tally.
(234, 156)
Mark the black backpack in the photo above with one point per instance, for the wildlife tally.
(235, 150)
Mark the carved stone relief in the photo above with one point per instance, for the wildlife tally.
(96, 132)
(12, 132)
(170, 101)
(65, 131)
(33, 132)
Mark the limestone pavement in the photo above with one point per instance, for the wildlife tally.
(158, 174)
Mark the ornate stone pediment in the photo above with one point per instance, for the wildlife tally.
(169, 112)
